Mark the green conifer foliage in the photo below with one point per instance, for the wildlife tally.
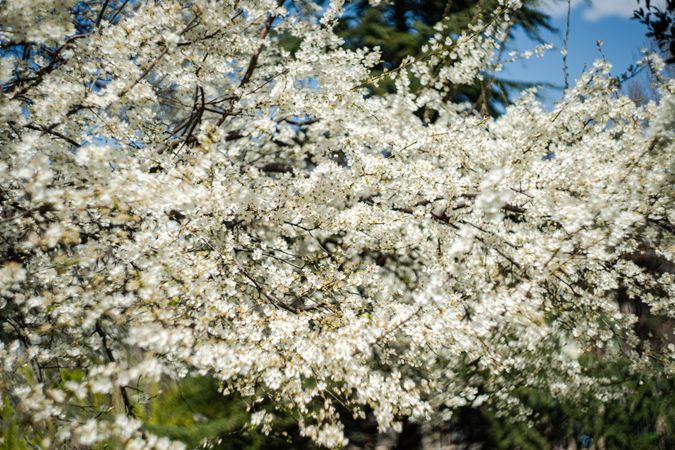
(401, 28)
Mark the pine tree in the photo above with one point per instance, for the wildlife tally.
(402, 27)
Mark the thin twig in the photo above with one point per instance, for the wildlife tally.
(119, 10)
(101, 13)
(54, 133)
(252, 64)
(565, 44)
(125, 397)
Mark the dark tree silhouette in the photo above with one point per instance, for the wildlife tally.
(402, 27)
(660, 24)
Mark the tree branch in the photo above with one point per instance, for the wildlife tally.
(125, 397)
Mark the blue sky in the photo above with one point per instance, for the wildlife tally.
(606, 20)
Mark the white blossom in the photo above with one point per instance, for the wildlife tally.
(182, 195)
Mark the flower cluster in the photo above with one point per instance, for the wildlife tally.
(181, 193)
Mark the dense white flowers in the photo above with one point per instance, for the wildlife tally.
(182, 194)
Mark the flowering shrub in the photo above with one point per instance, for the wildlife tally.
(181, 195)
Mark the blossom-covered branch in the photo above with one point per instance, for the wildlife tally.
(182, 194)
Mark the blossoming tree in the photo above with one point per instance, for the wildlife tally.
(180, 194)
